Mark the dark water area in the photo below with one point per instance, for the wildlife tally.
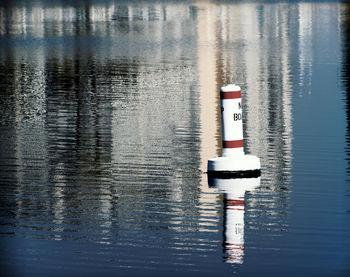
(109, 112)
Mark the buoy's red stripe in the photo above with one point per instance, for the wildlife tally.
(232, 143)
(238, 245)
(230, 94)
(234, 202)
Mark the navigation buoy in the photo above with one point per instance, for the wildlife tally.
(233, 162)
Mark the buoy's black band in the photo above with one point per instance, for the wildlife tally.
(234, 174)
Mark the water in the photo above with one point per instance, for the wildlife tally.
(109, 112)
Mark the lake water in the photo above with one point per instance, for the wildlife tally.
(109, 112)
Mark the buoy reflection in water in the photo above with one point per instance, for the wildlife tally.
(233, 191)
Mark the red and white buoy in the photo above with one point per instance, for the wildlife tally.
(233, 162)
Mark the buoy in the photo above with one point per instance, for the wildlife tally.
(233, 162)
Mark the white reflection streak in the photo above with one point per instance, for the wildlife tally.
(234, 196)
(259, 104)
(18, 20)
(55, 16)
(256, 95)
(2, 22)
(30, 117)
(305, 45)
(106, 208)
(59, 206)
(157, 25)
(37, 18)
(286, 99)
(209, 103)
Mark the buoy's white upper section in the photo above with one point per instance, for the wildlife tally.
(233, 158)
(231, 87)
(231, 118)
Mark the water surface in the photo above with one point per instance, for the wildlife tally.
(109, 112)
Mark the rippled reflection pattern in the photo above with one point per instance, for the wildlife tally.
(109, 112)
(346, 79)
